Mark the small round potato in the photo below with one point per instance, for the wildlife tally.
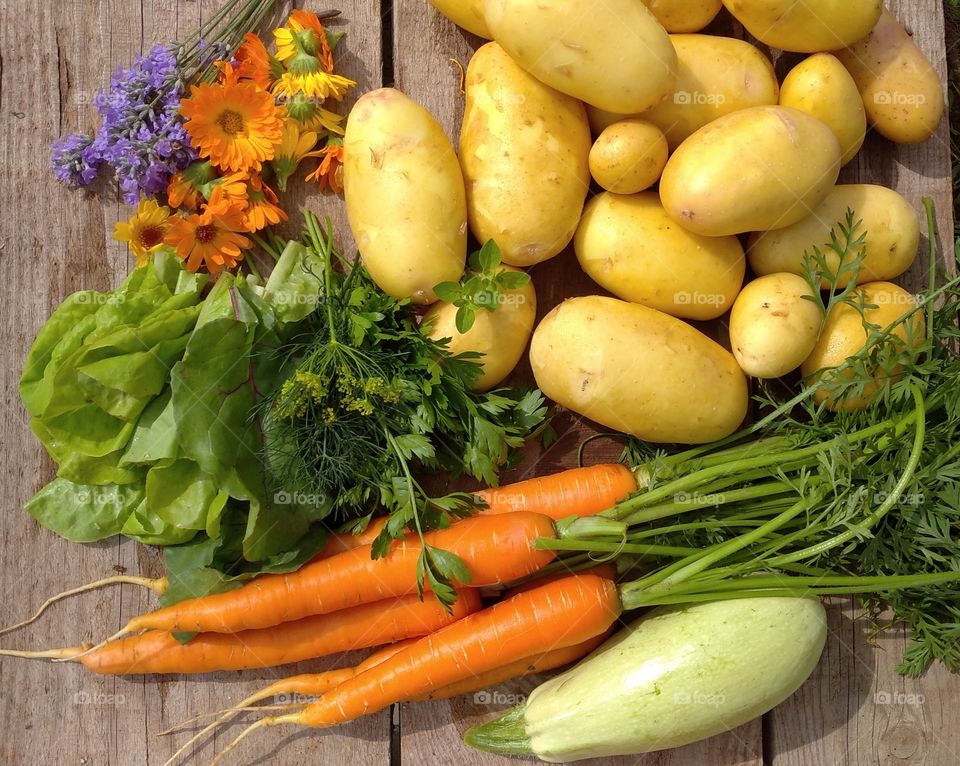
(901, 90)
(844, 335)
(629, 156)
(822, 87)
(758, 169)
(684, 15)
(774, 325)
(890, 223)
(500, 335)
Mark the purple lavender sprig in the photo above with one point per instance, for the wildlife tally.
(141, 138)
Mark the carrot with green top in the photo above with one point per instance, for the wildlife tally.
(561, 613)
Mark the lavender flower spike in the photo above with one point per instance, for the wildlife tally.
(74, 161)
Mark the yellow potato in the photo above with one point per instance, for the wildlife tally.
(901, 90)
(773, 325)
(500, 335)
(891, 225)
(844, 335)
(629, 156)
(405, 195)
(822, 87)
(684, 15)
(523, 149)
(465, 13)
(637, 370)
(715, 76)
(600, 119)
(761, 168)
(610, 53)
(806, 26)
(629, 246)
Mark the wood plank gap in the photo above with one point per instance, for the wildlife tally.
(388, 73)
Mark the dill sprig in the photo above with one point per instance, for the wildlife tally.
(370, 402)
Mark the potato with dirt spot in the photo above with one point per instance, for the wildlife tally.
(524, 151)
(901, 90)
(500, 335)
(629, 156)
(774, 324)
(630, 247)
(889, 222)
(758, 169)
(405, 195)
(613, 54)
(844, 335)
(822, 87)
(639, 371)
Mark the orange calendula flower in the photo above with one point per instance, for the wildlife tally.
(232, 186)
(330, 170)
(255, 63)
(210, 238)
(262, 208)
(235, 124)
(145, 230)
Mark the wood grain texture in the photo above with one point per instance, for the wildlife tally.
(854, 710)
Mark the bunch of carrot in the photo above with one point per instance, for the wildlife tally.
(344, 599)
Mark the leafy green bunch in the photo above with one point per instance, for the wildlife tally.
(370, 402)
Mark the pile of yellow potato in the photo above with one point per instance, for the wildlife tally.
(624, 94)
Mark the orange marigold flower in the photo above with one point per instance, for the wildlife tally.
(211, 238)
(254, 62)
(330, 170)
(232, 187)
(262, 208)
(182, 193)
(235, 124)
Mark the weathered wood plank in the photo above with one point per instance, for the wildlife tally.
(53, 242)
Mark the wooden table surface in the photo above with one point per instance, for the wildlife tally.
(854, 710)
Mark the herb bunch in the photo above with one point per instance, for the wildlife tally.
(370, 402)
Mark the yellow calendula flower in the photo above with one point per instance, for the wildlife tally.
(235, 124)
(304, 34)
(145, 230)
(316, 85)
(294, 145)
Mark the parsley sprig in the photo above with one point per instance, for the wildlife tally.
(370, 403)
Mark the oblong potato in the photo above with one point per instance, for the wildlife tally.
(465, 13)
(761, 168)
(524, 150)
(405, 195)
(774, 325)
(891, 225)
(629, 156)
(844, 335)
(684, 15)
(806, 26)
(610, 53)
(630, 247)
(500, 335)
(901, 90)
(715, 76)
(639, 371)
(822, 87)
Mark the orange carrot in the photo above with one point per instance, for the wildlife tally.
(561, 613)
(496, 549)
(577, 491)
(555, 658)
(360, 627)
